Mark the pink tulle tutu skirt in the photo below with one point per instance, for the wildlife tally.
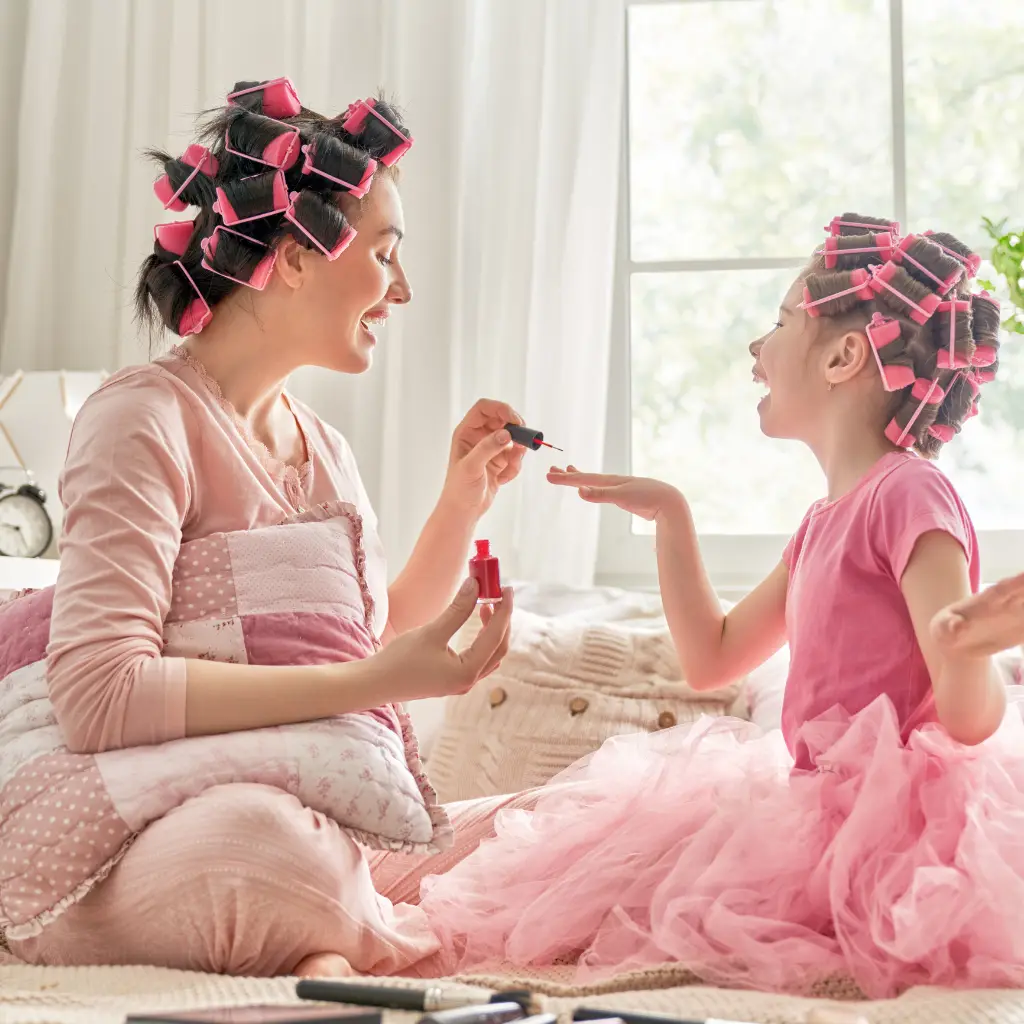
(894, 864)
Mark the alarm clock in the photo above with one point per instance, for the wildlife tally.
(26, 529)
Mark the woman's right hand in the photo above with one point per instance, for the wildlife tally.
(420, 663)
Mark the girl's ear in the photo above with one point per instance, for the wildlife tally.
(849, 354)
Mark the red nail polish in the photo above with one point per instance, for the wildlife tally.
(483, 567)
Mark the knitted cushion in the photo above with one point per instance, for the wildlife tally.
(564, 688)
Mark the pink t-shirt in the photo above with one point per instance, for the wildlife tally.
(850, 634)
(156, 458)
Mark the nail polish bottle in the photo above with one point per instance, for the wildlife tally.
(483, 567)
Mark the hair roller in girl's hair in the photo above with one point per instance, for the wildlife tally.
(839, 226)
(860, 285)
(972, 261)
(902, 253)
(882, 243)
(949, 358)
(275, 98)
(919, 312)
(926, 392)
(883, 331)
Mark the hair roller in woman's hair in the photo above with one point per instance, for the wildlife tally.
(174, 237)
(197, 313)
(263, 140)
(951, 356)
(252, 198)
(274, 98)
(355, 124)
(343, 165)
(201, 160)
(302, 209)
(261, 270)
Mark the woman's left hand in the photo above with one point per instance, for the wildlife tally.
(483, 458)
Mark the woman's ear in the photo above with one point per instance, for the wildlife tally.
(292, 262)
(849, 355)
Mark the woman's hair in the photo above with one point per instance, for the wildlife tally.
(265, 167)
(933, 340)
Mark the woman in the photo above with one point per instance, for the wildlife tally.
(289, 262)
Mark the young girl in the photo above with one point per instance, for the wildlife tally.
(881, 834)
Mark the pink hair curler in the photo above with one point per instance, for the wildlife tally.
(861, 288)
(174, 237)
(355, 119)
(280, 153)
(947, 359)
(881, 277)
(197, 157)
(357, 190)
(945, 432)
(901, 254)
(230, 217)
(279, 97)
(332, 254)
(835, 226)
(198, 313)
(832, 251)
(261, 272)
(972, 262)
(927, 392)
(882, 331)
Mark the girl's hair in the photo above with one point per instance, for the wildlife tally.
(260, 178)
(934, 341)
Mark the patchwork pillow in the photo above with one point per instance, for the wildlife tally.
(568, 683)
(295, 593)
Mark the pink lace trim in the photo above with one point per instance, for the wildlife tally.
(296, 479)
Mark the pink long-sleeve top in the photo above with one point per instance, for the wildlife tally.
(158, 457)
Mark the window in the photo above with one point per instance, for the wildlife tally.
(750, 123)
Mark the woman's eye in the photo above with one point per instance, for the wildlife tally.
(385, 261)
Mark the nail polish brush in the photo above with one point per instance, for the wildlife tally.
(526, 437)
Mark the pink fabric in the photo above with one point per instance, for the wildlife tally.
(245, 880)
(73, 828)
(26, 630)
(886, 852)
(157, 458)
(849, 630)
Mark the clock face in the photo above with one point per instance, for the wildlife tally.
(25, 527)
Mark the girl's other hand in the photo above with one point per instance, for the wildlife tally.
(984, 623)
(641, 496)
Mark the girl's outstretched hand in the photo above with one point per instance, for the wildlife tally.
(639, 495)
(984, 623)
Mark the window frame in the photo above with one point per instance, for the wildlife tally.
(735, 562)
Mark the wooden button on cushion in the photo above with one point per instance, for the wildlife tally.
(498, 697)
(666, 720)
(578, 705)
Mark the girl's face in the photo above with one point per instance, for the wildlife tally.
(345, 301)
(791, 363)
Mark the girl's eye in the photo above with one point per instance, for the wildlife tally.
(777, 325)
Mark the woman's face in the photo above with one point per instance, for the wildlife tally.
(345, 301)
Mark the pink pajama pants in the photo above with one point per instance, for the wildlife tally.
(246, 880)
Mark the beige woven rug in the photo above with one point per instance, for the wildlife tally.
(104, 995)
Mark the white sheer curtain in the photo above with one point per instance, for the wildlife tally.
(510, 199)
